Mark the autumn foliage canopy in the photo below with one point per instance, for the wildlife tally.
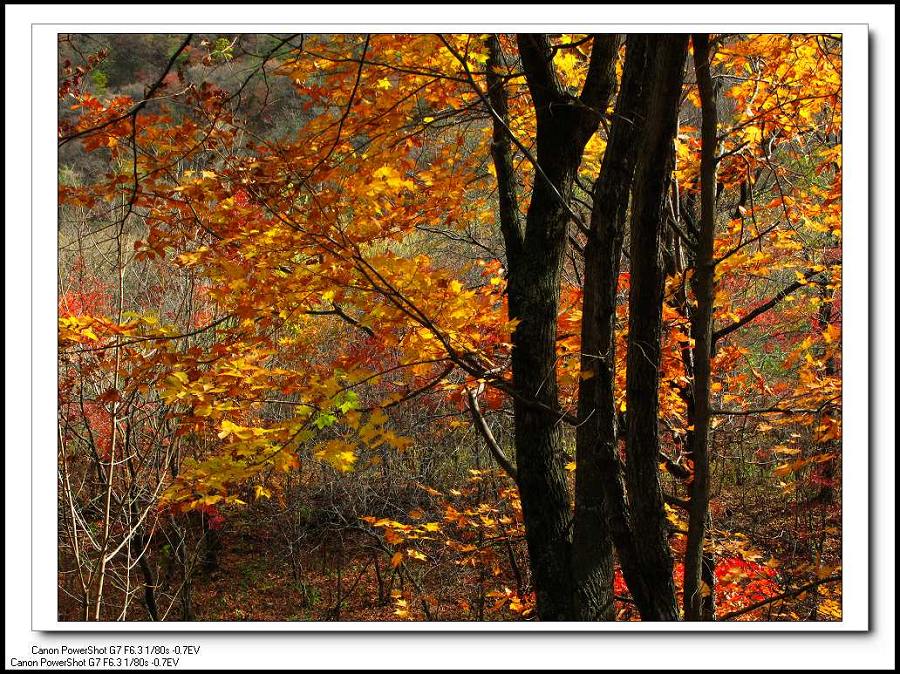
(400, 287)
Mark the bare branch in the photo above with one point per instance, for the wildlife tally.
(485, 430)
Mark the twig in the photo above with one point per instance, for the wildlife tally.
(786, 595)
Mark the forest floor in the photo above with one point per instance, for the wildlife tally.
(254, 583)
(342, 576)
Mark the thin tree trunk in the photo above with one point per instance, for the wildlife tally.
(149, 584)
(708, 576)
(704, 290)
(826, 471)
(645, 325)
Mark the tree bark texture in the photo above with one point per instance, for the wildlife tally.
(645, 324)
(564, 125)
(601, 516)
(702, 317)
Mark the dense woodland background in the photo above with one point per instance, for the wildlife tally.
(449, 327)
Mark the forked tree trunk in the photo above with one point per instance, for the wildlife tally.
(572, 556)
(535, 256)
(564, 125)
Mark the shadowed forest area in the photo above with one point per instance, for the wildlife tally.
(449, 327)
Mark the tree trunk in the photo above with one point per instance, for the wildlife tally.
(533, 296)
(704, 291)
(826, 471)
(645, 325)
(535, 258)
(600, 507)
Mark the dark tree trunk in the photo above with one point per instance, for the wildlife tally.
(149, 580)
(601, 516)
(534, 259)
(645, 325)
(533, 296)
(704, 291)
(571, 556)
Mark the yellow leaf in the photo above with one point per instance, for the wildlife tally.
(337, 453)
(227, 429)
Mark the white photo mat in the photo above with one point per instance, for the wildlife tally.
(41, 448)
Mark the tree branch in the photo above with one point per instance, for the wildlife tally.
(601, 75)
(137, 108)
(340, 313)
(492, 444)
(763, 308)
(786, 595)
(501, 152)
